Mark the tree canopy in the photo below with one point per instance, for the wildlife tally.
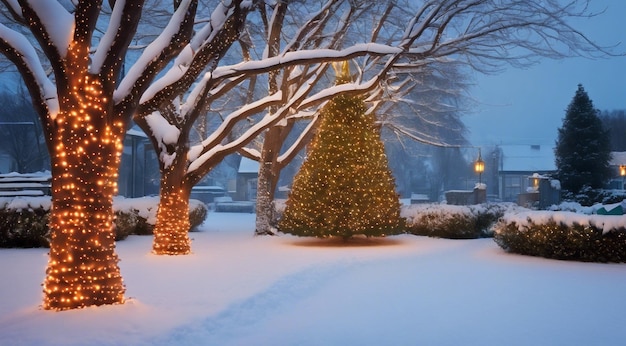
(583, 150)
(615, 123)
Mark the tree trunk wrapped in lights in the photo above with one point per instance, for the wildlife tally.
(344, 187)
(265, 192)
(172, 225)
(83, 267)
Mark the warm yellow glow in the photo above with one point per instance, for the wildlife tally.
(479, 165)
(622, 170)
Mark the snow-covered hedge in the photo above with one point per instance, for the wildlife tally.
(24, 220)
(446, 221)
(454, 221)
(564, 235)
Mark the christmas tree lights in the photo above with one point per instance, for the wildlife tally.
(344, 187)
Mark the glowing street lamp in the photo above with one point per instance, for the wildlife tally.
(479, 167)
(622, 170)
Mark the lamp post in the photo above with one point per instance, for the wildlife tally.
(479, 167)
(622, 173)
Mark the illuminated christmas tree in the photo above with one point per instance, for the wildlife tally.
(344, 186)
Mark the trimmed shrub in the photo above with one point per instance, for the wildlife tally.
(454, 221)
(197, 214)
(24, 220)
(130, 220)
(125, 224)
(24, 228)
(564, 236)
(444, 225)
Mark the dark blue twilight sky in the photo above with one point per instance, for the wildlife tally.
(527, 106)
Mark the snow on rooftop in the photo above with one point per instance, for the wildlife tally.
(618, 158)
(248, 166)
(528, 158)
(135, 131)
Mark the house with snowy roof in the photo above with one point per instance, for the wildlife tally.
(518, 163)
(139, 169)
(138, 175)
(247, 175)
(618, 166)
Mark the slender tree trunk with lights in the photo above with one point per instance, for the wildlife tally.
(271, 144)
(266, 183)
(172, 224)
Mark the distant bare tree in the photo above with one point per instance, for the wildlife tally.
(615, 123)
(21, 137)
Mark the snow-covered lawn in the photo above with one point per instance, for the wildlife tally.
(237, 289)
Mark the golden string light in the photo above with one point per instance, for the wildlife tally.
(83, 267)
(344, 187)
(172, 227)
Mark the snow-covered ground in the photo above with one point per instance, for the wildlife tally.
(237, 289)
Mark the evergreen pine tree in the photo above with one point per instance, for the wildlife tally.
(583, 146)
(344, 186)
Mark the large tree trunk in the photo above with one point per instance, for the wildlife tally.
(83, 266)
(171, 231)
(266, 182)
(264, 202)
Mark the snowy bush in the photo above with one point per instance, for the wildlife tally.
(588, 196)
(454, 221)
(575, 207)
(138, 215)
(24, 228)
(447, 221)
(564, 235)
(197, 213)
(24, 220)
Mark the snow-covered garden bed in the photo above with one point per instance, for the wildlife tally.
(568, 231)
(447, 221)
(24, 220)
(454, 221)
